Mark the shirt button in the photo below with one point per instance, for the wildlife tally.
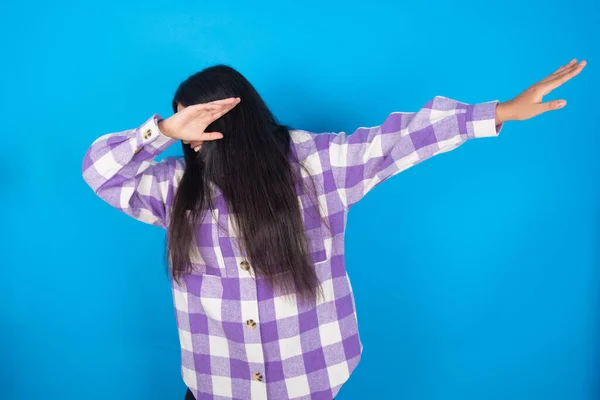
(250, 324)
(245, 265)
(257, 376)
(148, 134)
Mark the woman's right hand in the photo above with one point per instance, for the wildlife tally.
(189, 124)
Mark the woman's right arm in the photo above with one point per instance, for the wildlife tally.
(121, 169)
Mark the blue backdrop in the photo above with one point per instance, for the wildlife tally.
(476, 273)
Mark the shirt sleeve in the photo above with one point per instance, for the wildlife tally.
(367, 157)
(122, 170)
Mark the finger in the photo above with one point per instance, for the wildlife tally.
(562, 78)
(567, 65)
(552, 106)
(565, 70)
(207, 111)
(206, 137)
(209, 136)
(562, 68)
(229, 100)
(208, 116)
(210, 107)
(215, 105)
(568, 70)
(202, 107)
(218, 114)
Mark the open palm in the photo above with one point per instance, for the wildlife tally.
(530, 103)
(189, 125)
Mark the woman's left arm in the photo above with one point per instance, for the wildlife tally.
(362, 160)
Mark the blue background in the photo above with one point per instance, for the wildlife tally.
(476, 273)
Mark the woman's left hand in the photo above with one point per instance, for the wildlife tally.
(529, 103)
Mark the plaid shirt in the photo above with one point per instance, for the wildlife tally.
(239, 339)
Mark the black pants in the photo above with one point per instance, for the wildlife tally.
(189, 395)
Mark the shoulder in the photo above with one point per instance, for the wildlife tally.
(307, 144)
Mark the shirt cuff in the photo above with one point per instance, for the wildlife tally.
(481, 120)
(150, 137)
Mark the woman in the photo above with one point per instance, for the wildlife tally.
(255, 216)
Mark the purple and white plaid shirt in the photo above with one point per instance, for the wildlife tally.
(239, 339)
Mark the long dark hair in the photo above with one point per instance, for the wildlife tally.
(253, 166)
